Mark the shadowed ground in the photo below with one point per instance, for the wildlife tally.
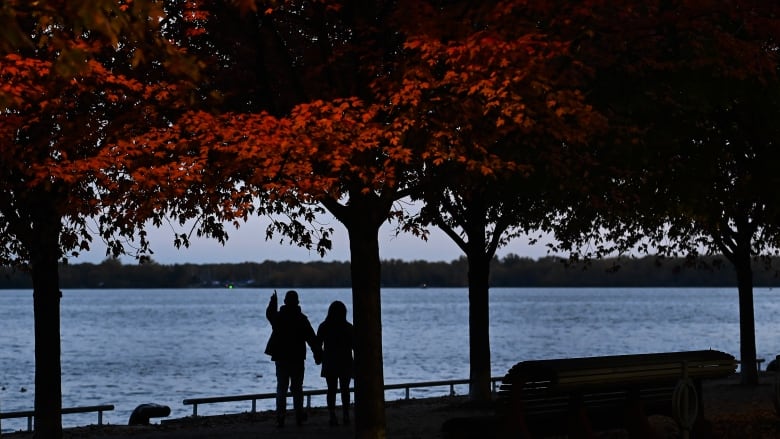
(735, 412)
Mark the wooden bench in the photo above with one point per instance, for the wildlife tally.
(578, 396)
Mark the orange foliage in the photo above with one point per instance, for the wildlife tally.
(308, 154)
(477, 90)
(452, 97)
(63, 118)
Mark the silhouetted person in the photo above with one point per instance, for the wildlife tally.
(287, 348)
(336, 337)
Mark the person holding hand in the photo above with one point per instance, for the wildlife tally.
(337, 340)
(291, 332)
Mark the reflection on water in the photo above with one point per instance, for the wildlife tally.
(128, 347)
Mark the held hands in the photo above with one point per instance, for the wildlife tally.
(317, 351)
(317, 357)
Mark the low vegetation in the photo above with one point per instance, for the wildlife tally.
(510, 271)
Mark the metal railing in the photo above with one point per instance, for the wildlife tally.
(30, 414)
(254, 397)
(194, 402)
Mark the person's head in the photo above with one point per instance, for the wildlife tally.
(337, 311)
(291, 298)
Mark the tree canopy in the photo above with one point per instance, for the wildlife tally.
(501, 101)
(692, 92)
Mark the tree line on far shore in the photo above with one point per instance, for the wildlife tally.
(509, 271)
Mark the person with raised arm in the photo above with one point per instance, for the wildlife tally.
(291, 332)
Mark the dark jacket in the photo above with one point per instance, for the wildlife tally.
(337, 341)
(291, 331)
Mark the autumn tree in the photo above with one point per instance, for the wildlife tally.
(505, 116)
(72, 84)
(305, 134)
(692, 89)
(337, 154)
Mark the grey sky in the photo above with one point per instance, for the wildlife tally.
(248, 244)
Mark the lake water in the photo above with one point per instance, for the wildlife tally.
(129, 347)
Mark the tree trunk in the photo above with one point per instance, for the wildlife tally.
(362, 216)
(44, 258)
(479, 327)
(747, 325)
(367, 317)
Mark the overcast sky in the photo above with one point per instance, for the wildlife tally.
(248, 244)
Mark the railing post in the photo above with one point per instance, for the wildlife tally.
(195, 409)
(100, 417)
(29, 423)
(776, 386)
(254, 405)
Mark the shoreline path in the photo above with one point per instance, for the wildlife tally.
(735, 411)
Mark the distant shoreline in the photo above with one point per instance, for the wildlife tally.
(510, 271)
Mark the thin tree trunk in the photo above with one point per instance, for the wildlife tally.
(479, 327)
(45, 253)
(747, 325)
(366, 300)
(362, 217)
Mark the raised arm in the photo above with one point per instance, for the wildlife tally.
(272, 309)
